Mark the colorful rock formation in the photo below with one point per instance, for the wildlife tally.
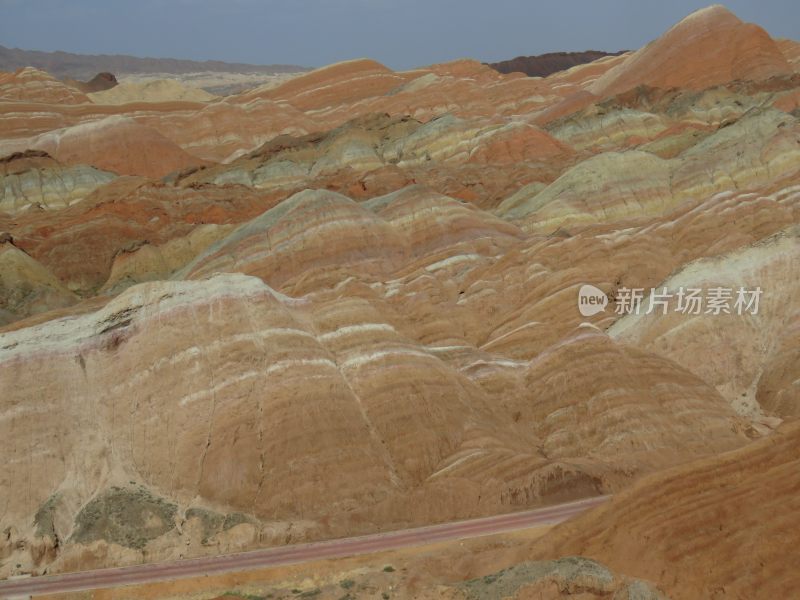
(349, 302)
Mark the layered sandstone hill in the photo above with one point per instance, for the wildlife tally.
(404, 290)
(426, 439)
(348, 302)
(84, 243)
(33, 179)
(709, 47)
(761, 147)
(754, 384)
(31, 85)
(711, 529)
(328, 97)
(26, 287)
(720, 527)
(116, 143)
(158, 90)
(468, 158)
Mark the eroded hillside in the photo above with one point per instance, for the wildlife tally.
(348, 302)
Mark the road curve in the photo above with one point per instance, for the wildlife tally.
(282, 555)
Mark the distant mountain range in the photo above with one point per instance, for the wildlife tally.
(86, 66)
(543, 65)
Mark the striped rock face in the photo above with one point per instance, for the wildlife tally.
(213, 391)
(352, 301)
(709, 47)
(751, 490)
(33, 179)
(33, 85)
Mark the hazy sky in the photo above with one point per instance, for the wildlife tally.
(399, 33)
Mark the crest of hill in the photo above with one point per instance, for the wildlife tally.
(343, 82)
(32, 85)
(158, 90)
(116, 143)
(711, 46)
